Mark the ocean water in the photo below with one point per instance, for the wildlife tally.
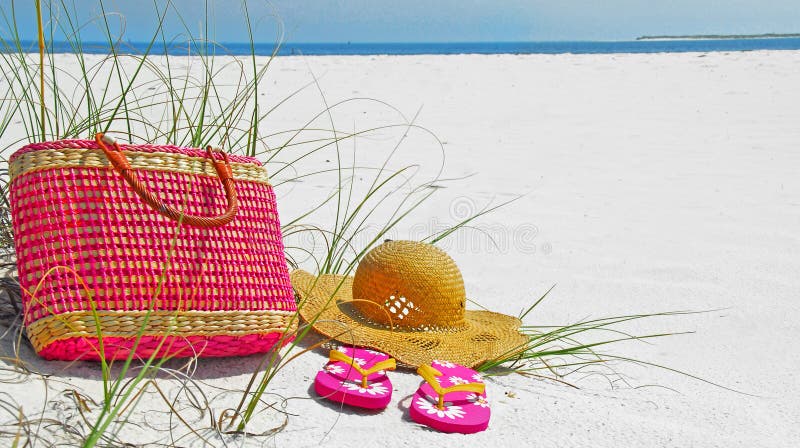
(643, 46)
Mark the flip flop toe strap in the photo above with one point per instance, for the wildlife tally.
(429, 374)
(386, 364)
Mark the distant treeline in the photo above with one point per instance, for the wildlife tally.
(722, 36)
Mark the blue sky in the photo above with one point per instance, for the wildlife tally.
(438, 20)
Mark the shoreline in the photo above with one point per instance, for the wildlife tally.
(643, 46)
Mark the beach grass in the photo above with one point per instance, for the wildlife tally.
(151, 97)
(106, 96)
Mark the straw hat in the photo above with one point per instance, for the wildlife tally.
(406, 299)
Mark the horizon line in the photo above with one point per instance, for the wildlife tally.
(438, 42)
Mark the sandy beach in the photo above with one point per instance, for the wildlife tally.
(649, 183)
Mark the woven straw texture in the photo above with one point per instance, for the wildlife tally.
(212, 291)
(406, 299)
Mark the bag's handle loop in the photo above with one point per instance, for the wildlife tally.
(223, 168)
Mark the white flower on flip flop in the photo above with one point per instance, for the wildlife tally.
(342, 349)
(478, 400)
(478, 377)
(371, 389)
(373, 352)
(457, 380)
(360, 362)
(446, 364)
(449, 411)
(334, 369)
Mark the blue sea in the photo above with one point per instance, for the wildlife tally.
(641, 46)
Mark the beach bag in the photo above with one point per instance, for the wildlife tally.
(157, 249)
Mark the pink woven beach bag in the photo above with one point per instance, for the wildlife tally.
(159, 249)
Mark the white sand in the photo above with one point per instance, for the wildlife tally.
(655, 183)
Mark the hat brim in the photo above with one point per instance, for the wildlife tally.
(326, 303)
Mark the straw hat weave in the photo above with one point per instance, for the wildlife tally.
(406, 299)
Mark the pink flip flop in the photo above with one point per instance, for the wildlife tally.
(452, 399)
(356, 377)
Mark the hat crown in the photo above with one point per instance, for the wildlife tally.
(410, 285)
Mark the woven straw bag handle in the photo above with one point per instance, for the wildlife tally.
(223, 168)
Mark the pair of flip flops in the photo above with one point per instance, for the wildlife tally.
(451, 399)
